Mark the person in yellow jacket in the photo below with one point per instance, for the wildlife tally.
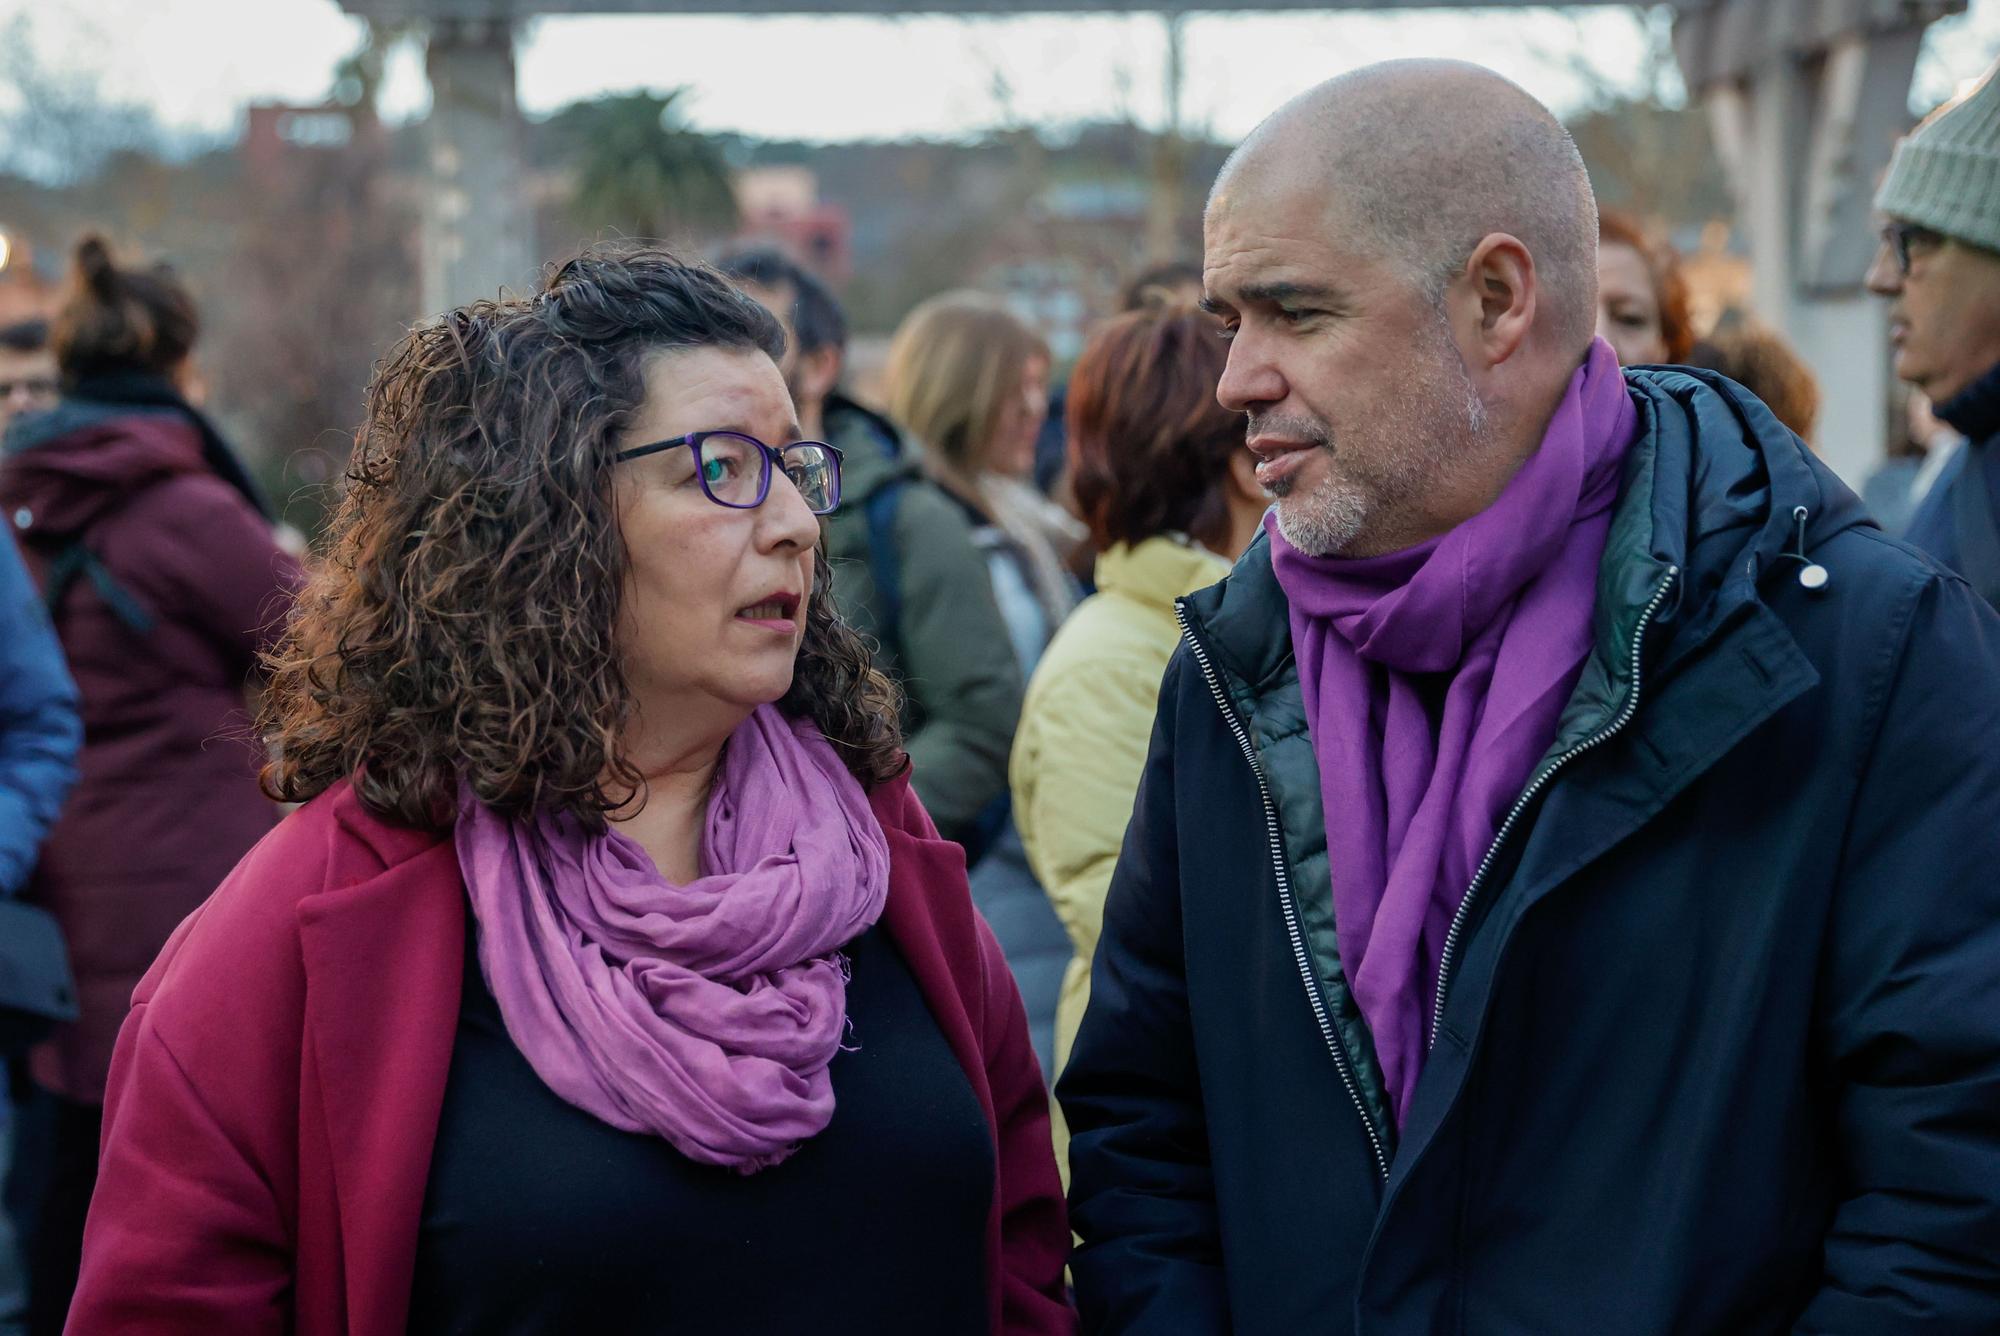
(1161, 476)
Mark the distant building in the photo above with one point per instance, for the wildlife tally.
(780, 205)
(279, 141)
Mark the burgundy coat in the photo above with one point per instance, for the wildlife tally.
(166, 798)
(275, 1095)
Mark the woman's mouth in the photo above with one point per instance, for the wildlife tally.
(775, 613)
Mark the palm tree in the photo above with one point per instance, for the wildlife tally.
(639, 169)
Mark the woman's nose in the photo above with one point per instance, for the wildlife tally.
(785, 518)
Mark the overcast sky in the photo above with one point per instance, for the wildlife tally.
(195, 63)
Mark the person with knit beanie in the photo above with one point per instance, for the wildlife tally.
(1939, 263)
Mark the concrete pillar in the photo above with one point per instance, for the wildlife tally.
(1804, 138)
(478, 234)
(1163, 214)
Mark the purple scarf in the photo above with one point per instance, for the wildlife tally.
(1433, 680)
(705, 1014)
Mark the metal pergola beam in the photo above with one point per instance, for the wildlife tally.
(407, 10)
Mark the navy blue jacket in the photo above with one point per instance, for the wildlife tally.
(39, 732)
(1719, 1043)
(1967, 490)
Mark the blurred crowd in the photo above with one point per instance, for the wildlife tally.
(1006, 537)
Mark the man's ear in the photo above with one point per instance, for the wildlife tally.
(1495, 299)
(818, 373)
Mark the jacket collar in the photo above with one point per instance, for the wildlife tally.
(1723, 525)
(383, 949)
(1975, 410)
(873, 453)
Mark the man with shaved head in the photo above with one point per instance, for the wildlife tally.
(1561, 895)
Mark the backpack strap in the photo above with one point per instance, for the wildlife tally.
(885, 562)
(76, 561)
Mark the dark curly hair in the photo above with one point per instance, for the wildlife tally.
(461, 623)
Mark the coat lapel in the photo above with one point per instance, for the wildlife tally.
(384, 960)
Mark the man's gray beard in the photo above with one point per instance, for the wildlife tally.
(1324, 521)
(1441, 423)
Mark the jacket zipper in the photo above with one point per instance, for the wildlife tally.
(1285, 899)
(1528, 795)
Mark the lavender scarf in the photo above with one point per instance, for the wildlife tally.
(705, 1014)
(1433, 680)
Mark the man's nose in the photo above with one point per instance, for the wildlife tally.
(1249, 378)
(1885, 275)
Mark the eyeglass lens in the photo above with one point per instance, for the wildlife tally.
(811, 468)
(732, 469)
(735, 471)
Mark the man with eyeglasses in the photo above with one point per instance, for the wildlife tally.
(1939, 263)
(27, 369)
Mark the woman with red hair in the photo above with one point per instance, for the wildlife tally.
(1642, 296)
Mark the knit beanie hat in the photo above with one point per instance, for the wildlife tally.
(1945, 174)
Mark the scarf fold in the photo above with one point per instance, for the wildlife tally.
(706, 1014)
(1433, 680)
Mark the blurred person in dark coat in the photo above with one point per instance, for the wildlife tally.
(154, 552)
(39, 735)
(1939, 264)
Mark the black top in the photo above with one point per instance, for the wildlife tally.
(539, 1218)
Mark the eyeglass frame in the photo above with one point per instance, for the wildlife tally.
(773, 456)
(1897, 236)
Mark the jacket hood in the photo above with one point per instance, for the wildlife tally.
(1717, 498)
(64, 468)
(874, 451)
(1157, 571)
(1718, 488)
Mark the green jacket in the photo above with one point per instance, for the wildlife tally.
(949, 649)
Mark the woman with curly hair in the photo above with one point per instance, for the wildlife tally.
(610, 977)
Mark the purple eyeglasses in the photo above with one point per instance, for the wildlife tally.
(734, 469)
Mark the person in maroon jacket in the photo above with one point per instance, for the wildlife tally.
(157, 561)
(611, 977)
